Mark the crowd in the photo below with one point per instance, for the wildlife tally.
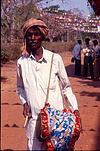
(91, 66)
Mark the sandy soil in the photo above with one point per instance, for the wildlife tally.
(88, 95)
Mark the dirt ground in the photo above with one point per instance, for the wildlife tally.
(88, 95)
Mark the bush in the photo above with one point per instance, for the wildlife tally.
(4, 55)
(59, 46)
(10, 52)
(13, 52)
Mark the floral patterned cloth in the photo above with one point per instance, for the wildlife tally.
(58, 128)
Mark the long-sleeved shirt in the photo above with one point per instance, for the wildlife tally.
(97, 51)
(77, 51)
(32, 82)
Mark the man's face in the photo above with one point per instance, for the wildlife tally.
(34, 38)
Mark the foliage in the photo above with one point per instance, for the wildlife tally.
(4, 55)
(15, 12)
(10, 52)
(13, 15)
(59, 46)
(13, 52)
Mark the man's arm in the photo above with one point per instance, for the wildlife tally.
(20, 85)
(67, 90)
(21, 92)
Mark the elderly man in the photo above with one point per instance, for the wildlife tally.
(32, 80)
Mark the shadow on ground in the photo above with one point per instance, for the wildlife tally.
(3, 79)
(91, 94)
(70, 70)
(7, 150)
(90, 83)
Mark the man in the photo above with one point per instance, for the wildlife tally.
(96, 48)
(77, 56)
(32, 80)
(88, 59)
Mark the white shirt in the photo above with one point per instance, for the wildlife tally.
(77, 51)
(88, 50)
(32, 82)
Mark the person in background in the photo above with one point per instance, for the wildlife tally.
(96, 48)
(32, 80)
(88, 59)
(77, 57)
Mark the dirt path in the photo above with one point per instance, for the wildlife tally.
(88, 95)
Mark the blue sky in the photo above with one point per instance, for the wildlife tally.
(68, 4)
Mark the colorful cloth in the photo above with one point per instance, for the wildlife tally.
(58, 128)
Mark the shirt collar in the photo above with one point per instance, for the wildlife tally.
(43, 59)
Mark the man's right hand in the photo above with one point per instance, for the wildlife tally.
(27, 110)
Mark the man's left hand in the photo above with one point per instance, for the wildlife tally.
(77, 113)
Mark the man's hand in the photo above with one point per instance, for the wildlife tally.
(77, 113)
(27, 110)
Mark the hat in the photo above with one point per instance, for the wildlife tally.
(35, 22)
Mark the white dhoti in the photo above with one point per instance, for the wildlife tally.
(33, 131)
